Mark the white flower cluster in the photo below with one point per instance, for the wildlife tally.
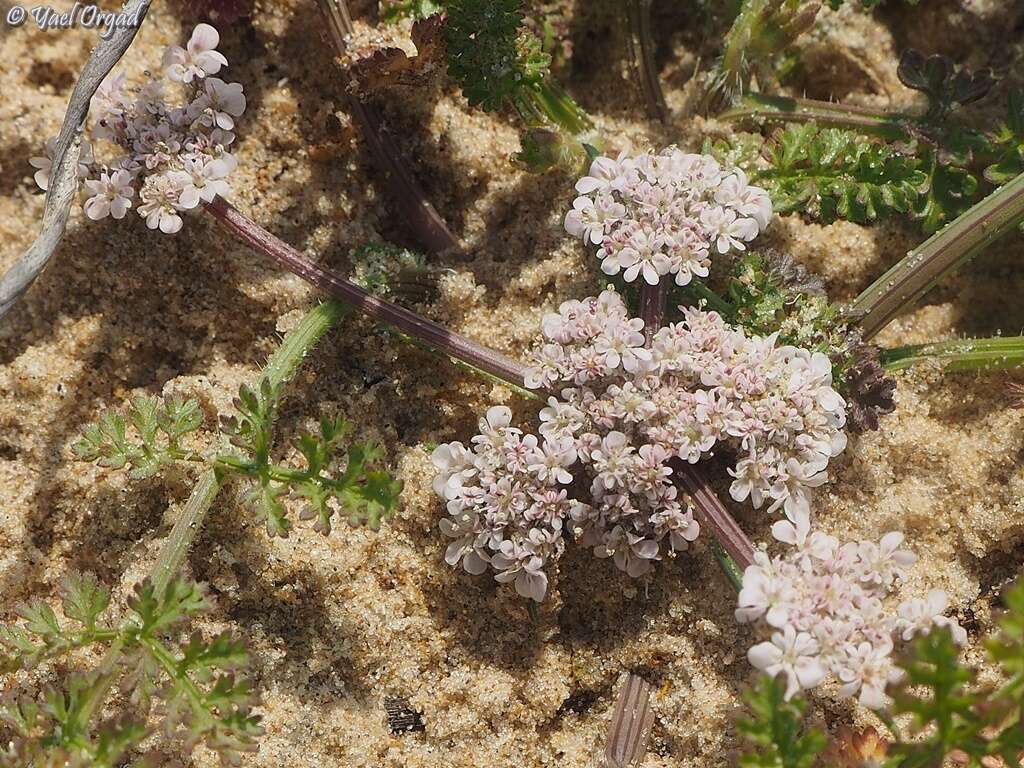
(824, 603)
(624, 412)
(505, 502)
(172, 157)
(700, 383)
(665, 214)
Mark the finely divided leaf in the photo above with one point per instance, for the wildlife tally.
(832, 173)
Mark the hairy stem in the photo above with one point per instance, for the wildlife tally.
(1000, 352)
(758, 107)
(185, 529)
(762, 29)
(546, 101)
(426, 224)
(940, 255)
(641, 49)
(427, 332)
(279, 368)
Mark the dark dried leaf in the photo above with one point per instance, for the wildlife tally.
(945, 86)
(390, 67)
(869, 390)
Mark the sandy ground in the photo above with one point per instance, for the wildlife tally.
(337, 624)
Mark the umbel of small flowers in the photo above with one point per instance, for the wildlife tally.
(623, 412)
(825, 604)
(665, 214)
(167, 157)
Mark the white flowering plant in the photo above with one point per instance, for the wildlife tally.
(666, 213)
(168, 156)
(948, 716)
(621, 412)
(826, 606)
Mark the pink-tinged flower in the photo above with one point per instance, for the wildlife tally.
(174, 155)
(835, 594)
(765, 593)
(110, 195)
(202, 180)
(519, 564)
(642, 256)
(612, 461)
(886, 561)
(623, 412)
(727, 231)
(607, 175)
(735, 192)
(159, 206)
(920, 616)
(454, 464)
(869, 669)
(590, 219)
(552, 459)
(464, 549)
(664, 214)
(198, 59)
(110, 95)
(791, 654)
(220, 103)
(505, 509)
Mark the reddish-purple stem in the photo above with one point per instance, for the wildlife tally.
(419, 328)
(652, 307)
(427, 225)
(713, 514)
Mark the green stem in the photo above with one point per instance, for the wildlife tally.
(702, 293)
(728, 565)
(546, 99)
(279, 368)
(998, 353)
(185, 529)
(940, 255)
(166, 660)
(758, 107)
(301, 340)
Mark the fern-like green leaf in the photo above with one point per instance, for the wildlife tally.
(490, 56)
(1009, 142)
(936, 693)
(84, 599)
(776, 729)
(831, 173)
(158, 613)
(158, 427)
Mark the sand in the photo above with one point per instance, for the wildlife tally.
(337, 624)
